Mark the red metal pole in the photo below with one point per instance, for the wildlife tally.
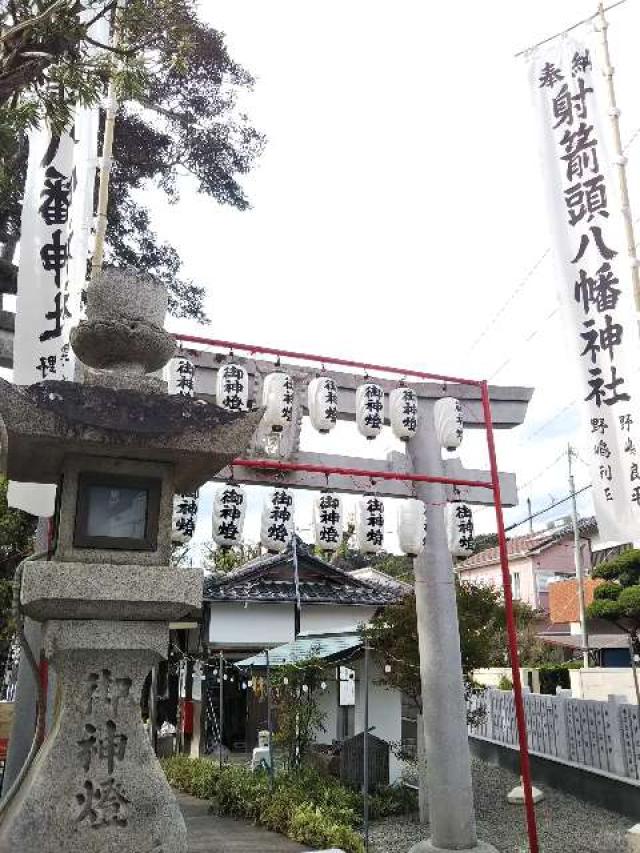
(512, 635)
(269, 465)
(323, 359)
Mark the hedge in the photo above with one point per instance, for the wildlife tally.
(304, 806)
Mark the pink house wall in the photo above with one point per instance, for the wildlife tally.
(556, 559)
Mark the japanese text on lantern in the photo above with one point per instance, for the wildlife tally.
(229, 513)
(598, 286)
(102, 746)
(329, 517)
(280, 514)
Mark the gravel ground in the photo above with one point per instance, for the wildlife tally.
(565, 823)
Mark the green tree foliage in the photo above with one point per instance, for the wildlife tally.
(618, 599)
(177, 86)
(17, 530)
(224, 560)
(348, 559)
(482, 541)
(393, 635)
(295, 692)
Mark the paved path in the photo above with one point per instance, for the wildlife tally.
(211, 834)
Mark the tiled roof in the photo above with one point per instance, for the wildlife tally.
(270, 578)
(326, 647)
(531, 543)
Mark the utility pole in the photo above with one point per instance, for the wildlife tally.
(530, 514)
(577, 553)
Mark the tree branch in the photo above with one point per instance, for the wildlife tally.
(31, 21)
(102, 13)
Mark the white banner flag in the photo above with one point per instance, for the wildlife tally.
(594, 275)
(41, 339)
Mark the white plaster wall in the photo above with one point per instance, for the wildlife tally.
(259, 624)
(491, 676)
(328, 704)
(602, 682)
(320, 618)
(255, 625)
(385, 711)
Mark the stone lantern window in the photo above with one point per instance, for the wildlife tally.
(117, 511)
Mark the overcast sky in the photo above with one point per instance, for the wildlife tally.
(398, 204)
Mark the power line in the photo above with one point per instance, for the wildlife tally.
(546, 509)
(568, 30)
(544, 470)
(524, 342)
(508, 301)
(553, 418)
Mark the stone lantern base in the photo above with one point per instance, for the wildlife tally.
(96, 785)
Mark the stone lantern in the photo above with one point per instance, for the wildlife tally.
(118, 447)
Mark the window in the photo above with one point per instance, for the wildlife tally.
(117, 512)
(515, 584)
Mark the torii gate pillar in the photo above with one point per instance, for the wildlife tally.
(444, 716)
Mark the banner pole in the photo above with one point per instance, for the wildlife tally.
(512, 636)
(620, 158)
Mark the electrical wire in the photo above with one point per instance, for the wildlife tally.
(568, 30)
(524, 342)
(546, 423)
(509, 300)
(546, 509)
(544, 470)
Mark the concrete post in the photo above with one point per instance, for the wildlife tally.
(451, 812)
(560, 722)
(617, 745)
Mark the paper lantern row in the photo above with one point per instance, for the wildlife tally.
(232, 393)
(277, 522)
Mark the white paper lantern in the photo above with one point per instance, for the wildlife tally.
(370, 524)
(180, 373)
(411, 526)
(277, 399)
(460, 529)
(229, 507)
(276, 526)
(322, 399)
(370, 409)
(185, 513)
(232, 387)
(447, 414)
(403, 412)
(328, 521)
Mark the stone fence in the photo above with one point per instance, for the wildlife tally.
(600, 735)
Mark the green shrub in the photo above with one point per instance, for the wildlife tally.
(310, 808)
(556, 675)
(314, 826)
(505, 683)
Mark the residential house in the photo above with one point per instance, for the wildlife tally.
(271, 601)
(535, 561)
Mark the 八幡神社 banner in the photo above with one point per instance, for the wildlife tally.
(594, 275)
